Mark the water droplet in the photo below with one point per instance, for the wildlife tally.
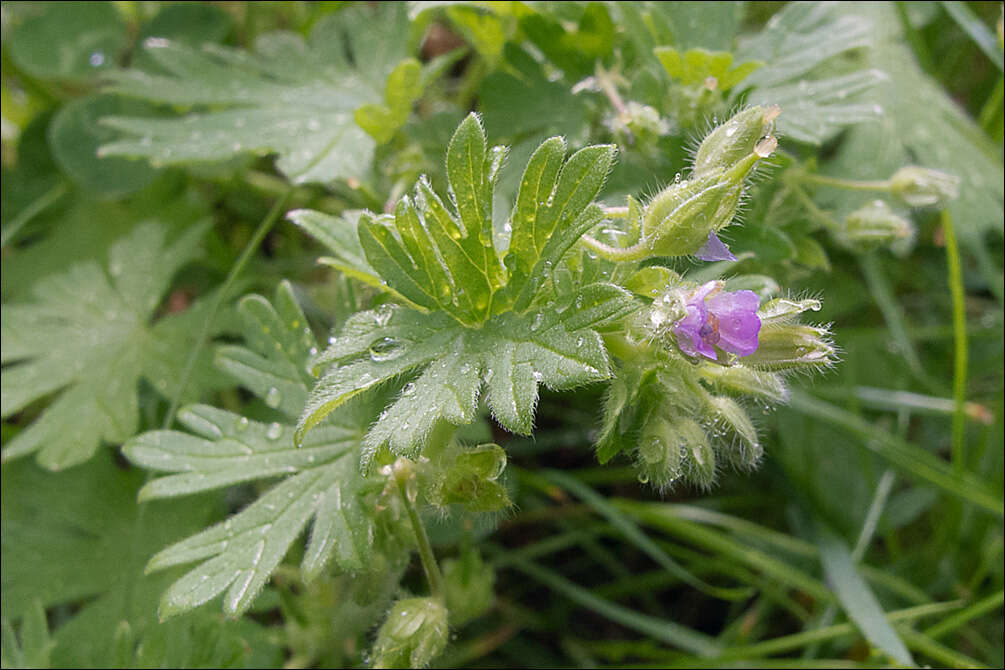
(386, 349)
(409, 389)
(97, 59)
(383, 314)
(273, 431)
(273, 397)
(241, 424)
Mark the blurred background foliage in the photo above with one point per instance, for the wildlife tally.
(145, 145)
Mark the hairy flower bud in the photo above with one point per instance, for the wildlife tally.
(414, 634)
(741, 379)
(746, 451)
(788, 346)
(734, 139)
(681, 219)
(873, 226)
(659, 455)
(922, 187)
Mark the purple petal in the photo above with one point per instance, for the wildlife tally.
(688, 330)
(715, 250)
(736, 320)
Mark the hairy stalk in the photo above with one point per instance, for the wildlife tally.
(426, 555)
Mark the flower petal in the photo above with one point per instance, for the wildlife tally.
(715, 250)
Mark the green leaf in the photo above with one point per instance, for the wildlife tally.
(74, 42)
(857, 598)
(289, 98)
(338, 234)
(404, 86)
(322, 478)
(552, 215)
(797, 40)
(460, 332)
(512, 354)
(75, 136)
(86, 338)
(279, 341)
(88, 517)
(695, 66)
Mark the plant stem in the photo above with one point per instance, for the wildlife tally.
(256, 240)
(429, 564)
(36, 207)
(960, 340)
(880, 185)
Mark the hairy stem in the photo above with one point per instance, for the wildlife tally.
(429, 564)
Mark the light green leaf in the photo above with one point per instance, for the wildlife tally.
(513, 354)
(857, 598)
(227, 448)
(239, 555)
(289, 98)
(87, 339)
(695, 66)
(279, 341)
(75, 135)
(797, 40)
(404, 86)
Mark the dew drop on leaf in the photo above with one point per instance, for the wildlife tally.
(273, 397)
(385, 349)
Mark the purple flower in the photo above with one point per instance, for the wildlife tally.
(715, 250)
(717, 319)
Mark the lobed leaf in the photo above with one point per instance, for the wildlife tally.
(290, 98)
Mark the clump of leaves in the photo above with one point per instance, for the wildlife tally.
(480, 303)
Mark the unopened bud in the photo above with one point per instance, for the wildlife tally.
(659, 456)
(677, 222)
(680, 220)
(740, 379)
(745, 452)
(873, 226)
(414, 634)
(783, 310)
(922, 187)
(787, 346)
(737, 138)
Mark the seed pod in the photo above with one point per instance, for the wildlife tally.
(741, 379)
(921, 187)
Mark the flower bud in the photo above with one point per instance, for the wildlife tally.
(873, 226)
(659, 455)
(681, 218)
(414, 634)
(788, 346)
(740, 379)
(783, 310)
(747, 451)
(922, 187)
(734, 139)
